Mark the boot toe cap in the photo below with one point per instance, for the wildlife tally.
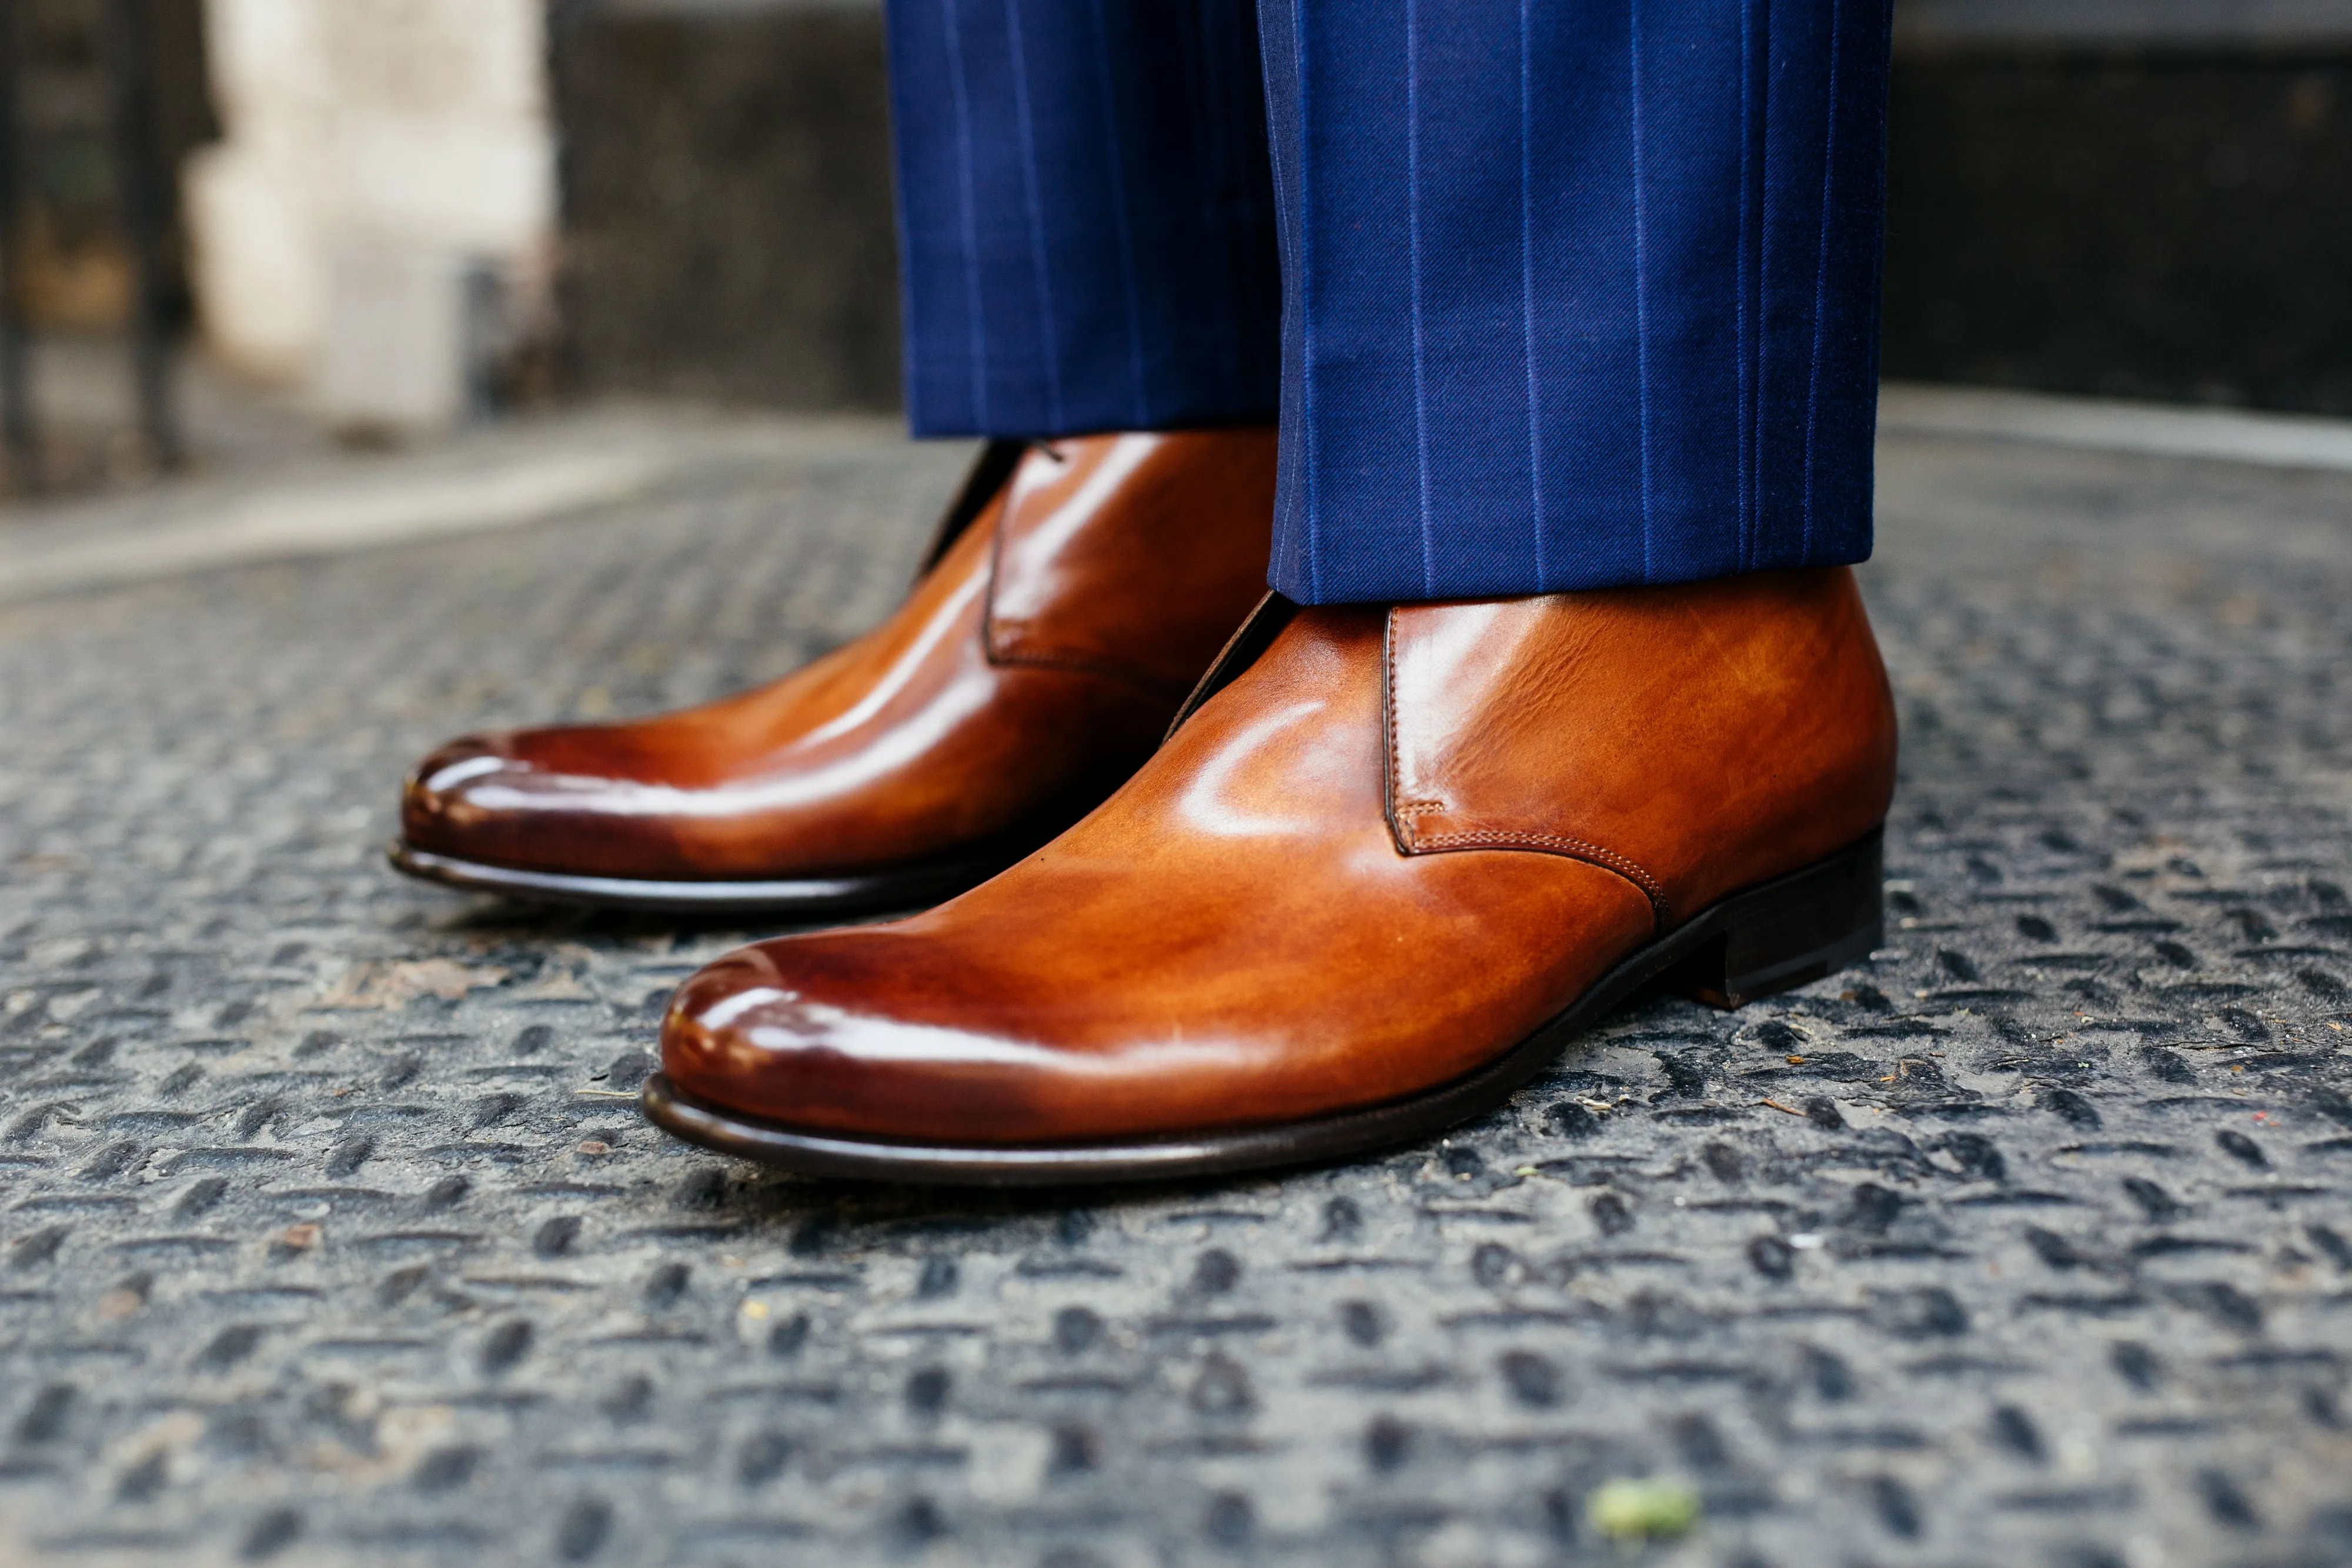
(443, 803)
(511, 798)
(807, 1038)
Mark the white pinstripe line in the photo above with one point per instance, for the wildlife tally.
(1821, 283)
(1030, 199)
(1306, 303)
(969, 229)
(1763, 381)
(1217, 90)
(1747, 390)
(1412, 230)
(1528, 289)
(1640, 269)
(1290, 457)
(1117, 156)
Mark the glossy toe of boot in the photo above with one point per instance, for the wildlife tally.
(440, 809)
(534, 800)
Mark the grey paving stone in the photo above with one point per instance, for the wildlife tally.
(330, 1233)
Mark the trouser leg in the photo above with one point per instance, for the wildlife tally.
(1576, 295)
(1086, 219)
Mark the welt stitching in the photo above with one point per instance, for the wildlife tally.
(1608, 860)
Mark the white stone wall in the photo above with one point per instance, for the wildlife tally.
(375, 152)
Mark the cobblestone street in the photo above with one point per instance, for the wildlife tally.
(330, 1233)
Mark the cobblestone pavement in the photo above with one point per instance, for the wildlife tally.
(330, 1233)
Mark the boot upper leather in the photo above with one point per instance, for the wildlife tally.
(1755, 735)
(1392, 848)
(1034, 665)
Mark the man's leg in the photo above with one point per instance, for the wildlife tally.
(1086, 222)
(1579, 294)
(1577, 401)
(1089, 258)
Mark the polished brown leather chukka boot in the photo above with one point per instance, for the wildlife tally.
(1391, 861)
(1076, 593)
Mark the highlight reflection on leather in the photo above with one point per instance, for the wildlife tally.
(1032, 668)
(1387, 851)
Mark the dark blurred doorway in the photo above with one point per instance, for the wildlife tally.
(2135, 198)
(100, 101)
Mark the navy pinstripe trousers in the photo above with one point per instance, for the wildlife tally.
(1545, 294)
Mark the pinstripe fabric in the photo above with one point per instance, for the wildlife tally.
(1413, 44)
(1604, 271)
(1637, 178)
(1573, 293)
(1024, 116)
(1086, 218)
(1298, 551)
(1539, 569)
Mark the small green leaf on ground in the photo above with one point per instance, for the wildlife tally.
(1628, 1510)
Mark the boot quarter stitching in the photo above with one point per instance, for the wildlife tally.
(1403, 814)
(1558, 843)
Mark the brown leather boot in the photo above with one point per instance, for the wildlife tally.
(1076, 592)
(1388, 864)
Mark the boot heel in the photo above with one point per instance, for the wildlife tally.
(1775, 937)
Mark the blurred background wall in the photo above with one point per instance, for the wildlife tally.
(2137, 198)
(408, 212)
(378, 217)
(728, 228)
(2143, 198)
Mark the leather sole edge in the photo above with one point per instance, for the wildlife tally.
(909, 887)
(1850, 881)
